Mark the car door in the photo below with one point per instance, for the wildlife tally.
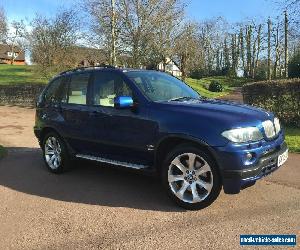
(75, 111)
(125, 134)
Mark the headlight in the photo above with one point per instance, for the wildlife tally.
(277, 125)
(243, 134)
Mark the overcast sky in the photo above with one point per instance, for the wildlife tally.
(232, 10)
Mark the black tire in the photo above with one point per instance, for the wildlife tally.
(213, 176)
(65, 163)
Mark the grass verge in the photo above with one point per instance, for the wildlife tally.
(19, 74)
(229, 84)
(292, 138)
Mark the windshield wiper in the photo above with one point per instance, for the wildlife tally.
(182, 98)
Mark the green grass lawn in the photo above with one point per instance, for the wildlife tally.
(19, 74)
(2, 151)
(201, 85)
(292, 138)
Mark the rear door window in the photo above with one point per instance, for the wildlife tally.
(78, 89)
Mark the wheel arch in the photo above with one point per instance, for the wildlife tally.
(168, 143)
(45, 131)
(49, 129)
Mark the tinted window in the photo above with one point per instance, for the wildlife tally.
(54, 92)
(78, 88)
(107, 86)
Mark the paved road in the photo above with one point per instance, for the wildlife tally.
(96, 207)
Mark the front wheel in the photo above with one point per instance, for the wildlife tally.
(191, 177)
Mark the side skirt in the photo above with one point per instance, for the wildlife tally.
(112, 162)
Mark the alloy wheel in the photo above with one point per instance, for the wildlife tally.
(53, 152)
(190, 178)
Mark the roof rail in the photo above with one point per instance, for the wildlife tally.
(86, 68)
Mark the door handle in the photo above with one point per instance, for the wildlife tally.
(95, 113)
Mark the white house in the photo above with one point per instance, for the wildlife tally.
(170, 67)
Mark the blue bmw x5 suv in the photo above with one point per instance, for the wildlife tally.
(151, 121)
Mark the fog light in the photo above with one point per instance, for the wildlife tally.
(249, 156)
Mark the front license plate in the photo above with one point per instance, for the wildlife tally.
(282, 158)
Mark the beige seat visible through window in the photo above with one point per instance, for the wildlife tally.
(77, 97)
(108, 102)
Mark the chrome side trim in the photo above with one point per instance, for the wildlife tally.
(113, 162)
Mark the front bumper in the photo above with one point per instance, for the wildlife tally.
(238, 174)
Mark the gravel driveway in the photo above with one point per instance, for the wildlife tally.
(95, 207)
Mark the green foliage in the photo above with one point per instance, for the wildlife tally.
(215, 86)
(292, 138)
(23, 74)
(261, 72)
(294, 66)
(203, 72)
(2, 152)
(281, 97)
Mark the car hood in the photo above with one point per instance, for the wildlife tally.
(230, 113)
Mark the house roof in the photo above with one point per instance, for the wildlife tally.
(4, 48)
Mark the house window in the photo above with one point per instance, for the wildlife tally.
(10, 54)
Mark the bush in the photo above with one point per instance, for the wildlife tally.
(215, 86)
(279, 96)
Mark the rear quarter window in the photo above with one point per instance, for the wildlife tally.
(56, 91)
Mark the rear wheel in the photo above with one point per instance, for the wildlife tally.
(55, 153)
(191, 177)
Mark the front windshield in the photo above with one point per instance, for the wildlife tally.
(158, 86)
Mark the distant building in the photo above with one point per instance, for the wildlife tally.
(90, 56)
(170, 67)
(7, 53)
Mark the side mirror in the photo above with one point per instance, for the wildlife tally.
(123, 102)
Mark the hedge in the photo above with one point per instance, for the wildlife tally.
(20, 94)
(279, 96)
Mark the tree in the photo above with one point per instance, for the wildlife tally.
(3, 25)
(286, 46)
(53, 41)
(293, 6)
(277, 51)
(256, 57)
(248, 49)
(269, 48)
(242, 47)
(185, 47)
(234, 53)
(113, 33)
(16, 38)
(141, 27)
